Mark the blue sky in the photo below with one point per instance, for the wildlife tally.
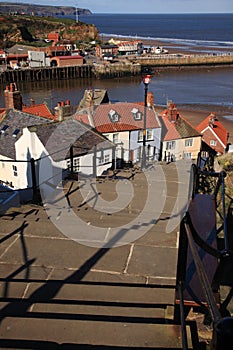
(143, 6)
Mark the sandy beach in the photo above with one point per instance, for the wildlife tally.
(171, 47)
(194, 114)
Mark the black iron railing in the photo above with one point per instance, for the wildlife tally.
(222, 337)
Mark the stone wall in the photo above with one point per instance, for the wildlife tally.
(185, 60)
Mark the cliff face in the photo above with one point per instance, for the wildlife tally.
(41, 10)
(15, 29)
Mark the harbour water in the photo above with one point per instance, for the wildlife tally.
(212, 87)
(189, 31)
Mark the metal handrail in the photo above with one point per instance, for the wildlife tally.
(222, 326)
(205, 284)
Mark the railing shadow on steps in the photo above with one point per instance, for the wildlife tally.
(222, 327)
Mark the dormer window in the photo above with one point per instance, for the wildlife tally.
(137, 115)
(114, 116)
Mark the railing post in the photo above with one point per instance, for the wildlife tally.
(223, 334)
(34, 184)
(223, 175)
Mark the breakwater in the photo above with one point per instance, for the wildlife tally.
(177, 60)
(122, 69)
(99, 71)
(46, 73)
(105, 70)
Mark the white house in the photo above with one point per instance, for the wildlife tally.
(38, 59)
(34, 150)
(123, 124)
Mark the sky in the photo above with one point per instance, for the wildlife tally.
(142, 6)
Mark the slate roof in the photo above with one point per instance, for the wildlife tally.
(15, 119)
(180, 128)
(58, 138)
(20, 49)
(101, 121)
(96, 96)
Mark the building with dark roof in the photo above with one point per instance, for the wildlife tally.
(34, 149)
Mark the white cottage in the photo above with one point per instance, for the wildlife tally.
(34, 150)
(123, 124)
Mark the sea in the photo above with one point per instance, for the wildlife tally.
(197, 87)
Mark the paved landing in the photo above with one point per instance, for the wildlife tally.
(95, 263)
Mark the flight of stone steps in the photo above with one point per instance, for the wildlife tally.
(57, 293)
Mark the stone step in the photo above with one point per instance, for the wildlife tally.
(87, 333)
(58, 292)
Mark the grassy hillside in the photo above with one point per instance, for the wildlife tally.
(30, 29)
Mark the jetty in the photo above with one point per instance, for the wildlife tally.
(185, 60)
(130, 66)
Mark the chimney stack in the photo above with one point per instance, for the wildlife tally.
(63, 110)
(172, 111)
(150, 99)
(13, 98)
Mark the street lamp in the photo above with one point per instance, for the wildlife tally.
(146, 80)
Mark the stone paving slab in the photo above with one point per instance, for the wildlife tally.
(53, 252)
(56, 281)
(149, 261)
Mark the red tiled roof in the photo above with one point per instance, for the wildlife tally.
(40, 110)
(2, 113)
(116, 127)
(126, 122)
(63, 58)
(217, 128)
(101, 120)
(180, 128)
(82, 118)
(172, 133)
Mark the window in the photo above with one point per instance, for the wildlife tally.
(106, 158)
(170, 145)
(188, 143)
(115, 138)
(213, 143)
(149, 134)
(188, 155)
(76, 164)
(137, 115)
(140, 135)
(114, 116)
(15, 171)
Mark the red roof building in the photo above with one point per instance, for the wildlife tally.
(123, 124)
(13, 100)
(64, 61)
(40, 110)
(55, 37)
(180, 139)
(214, 133)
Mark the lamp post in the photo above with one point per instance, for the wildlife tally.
(146, 80)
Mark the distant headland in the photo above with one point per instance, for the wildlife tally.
(41, 10)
